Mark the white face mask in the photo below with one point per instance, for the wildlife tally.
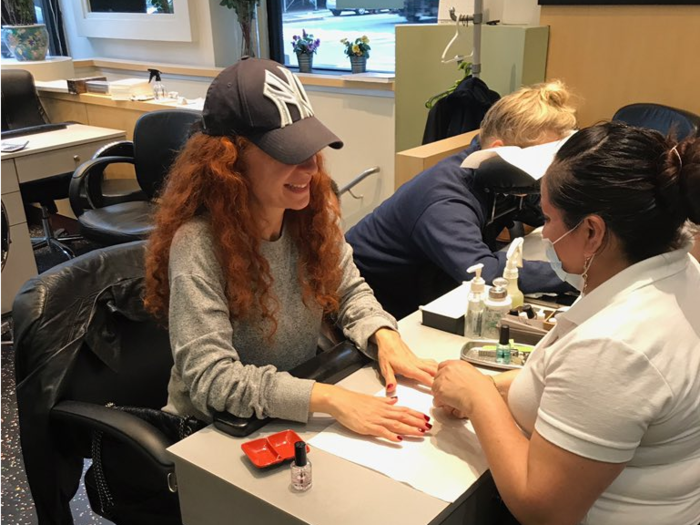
(573, 279)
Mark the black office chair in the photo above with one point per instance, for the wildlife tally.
(83, 340)
(158, 137)
(665, 119)
(6, 241)
(23, 114)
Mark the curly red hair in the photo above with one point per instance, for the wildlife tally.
(209, 176)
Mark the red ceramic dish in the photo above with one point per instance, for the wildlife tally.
(273, 449)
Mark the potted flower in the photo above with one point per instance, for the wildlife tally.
(358, 51)
(26, 39)
(245, 11)
(305, 46)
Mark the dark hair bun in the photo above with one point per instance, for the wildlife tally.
(687, 163)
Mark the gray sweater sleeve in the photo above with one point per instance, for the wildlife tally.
(201, 336)
(360, 314)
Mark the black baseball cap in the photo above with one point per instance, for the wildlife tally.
(264, 102)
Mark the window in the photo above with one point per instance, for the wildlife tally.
(48, 12)
(168, 21)
(332, 20)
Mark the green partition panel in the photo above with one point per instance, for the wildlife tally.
(511, 57)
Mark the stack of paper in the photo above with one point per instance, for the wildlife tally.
(129, 88)
(444, 463)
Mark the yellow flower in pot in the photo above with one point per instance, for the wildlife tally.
(358, 52)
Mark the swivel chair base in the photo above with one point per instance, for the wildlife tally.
(54, 240)
(7, 332)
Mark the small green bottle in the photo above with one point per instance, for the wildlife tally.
(503, 349)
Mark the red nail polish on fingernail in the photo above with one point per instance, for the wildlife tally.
(427, 418)
(429, 426)
(422, 430)
(390, 387)
(399, 438)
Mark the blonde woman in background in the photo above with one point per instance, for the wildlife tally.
(417, 245)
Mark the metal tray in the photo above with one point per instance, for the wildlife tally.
(487, 358)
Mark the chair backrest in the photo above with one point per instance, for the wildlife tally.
(158, 138)
(5, 235)
(664, 119)
(21, 107)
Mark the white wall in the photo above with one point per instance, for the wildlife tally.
(365, 123)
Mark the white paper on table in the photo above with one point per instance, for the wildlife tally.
(444, 464)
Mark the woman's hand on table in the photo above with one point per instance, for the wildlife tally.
(395, 357)
(369, 415)
(458, 386)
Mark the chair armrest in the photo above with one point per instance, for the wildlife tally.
(120, 148)
(119, 425)
(81, 177)
(327, 367)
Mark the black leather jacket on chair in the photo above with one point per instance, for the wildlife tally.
(51, 329)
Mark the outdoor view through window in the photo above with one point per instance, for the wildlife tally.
(332, 20)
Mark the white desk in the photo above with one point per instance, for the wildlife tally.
(218, 485)
(46, 155)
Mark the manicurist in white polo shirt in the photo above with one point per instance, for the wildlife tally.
(602, 425)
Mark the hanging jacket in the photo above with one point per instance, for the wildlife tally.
(460, 111)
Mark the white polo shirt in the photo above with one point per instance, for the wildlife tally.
(618, 380)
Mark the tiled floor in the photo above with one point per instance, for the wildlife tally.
(17, 504)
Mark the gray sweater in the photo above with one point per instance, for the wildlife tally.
(229, 365)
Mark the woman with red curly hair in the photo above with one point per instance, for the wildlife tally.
(248, 256)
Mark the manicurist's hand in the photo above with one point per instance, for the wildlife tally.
(395, 357)
(369, 415)
(458, 387)
(451, 411)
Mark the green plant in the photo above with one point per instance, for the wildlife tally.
(18, 13)
(358, 48)
(162, 6)
(305, 44)
(245, 10)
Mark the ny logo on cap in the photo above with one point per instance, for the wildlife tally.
(284, 94)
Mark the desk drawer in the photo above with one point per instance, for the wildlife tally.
(15, 208)
(9, 177)
(56, 162)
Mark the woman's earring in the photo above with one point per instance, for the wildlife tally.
(586, 265)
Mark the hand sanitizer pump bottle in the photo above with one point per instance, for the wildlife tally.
(475, 304)
(158, 87)
(497, 304)
(514, 261)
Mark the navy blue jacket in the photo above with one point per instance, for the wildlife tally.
(418, 243)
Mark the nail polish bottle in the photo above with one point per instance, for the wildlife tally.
(301, 468)
(503, 348)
